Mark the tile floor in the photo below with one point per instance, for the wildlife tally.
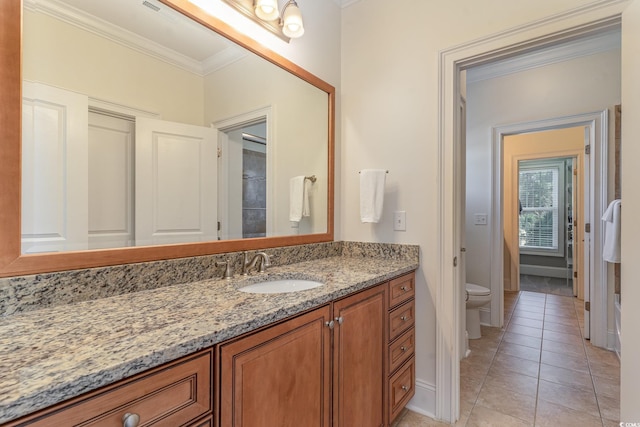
(536, 371)
(548, 285)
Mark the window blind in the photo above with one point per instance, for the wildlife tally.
(538, 192)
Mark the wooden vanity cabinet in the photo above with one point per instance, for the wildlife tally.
(359, 357)
(279, 376)
(401, 357)
(176, 394)
(347, 364)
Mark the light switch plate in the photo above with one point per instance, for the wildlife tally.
(480, 219)
(400, 221)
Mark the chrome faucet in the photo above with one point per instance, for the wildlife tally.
(249, 264)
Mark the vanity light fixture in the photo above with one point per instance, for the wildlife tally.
(287, 26)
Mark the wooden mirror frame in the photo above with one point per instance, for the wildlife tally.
(14, 263)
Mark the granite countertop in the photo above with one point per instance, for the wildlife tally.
(50, 355)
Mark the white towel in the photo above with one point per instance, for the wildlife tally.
(298, 198)
(371, 194)
(611, 217)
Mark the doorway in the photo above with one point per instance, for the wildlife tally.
(452, 61)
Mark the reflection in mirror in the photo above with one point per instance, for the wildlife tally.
(133, 118)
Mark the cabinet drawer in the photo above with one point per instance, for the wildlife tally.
(401, 349)
(401, 388)
(401, 319)
(401, 289)
(170, 396)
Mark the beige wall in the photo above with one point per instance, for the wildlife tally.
(300, 137)
(390, 119)
(65, 56)
(536, 145)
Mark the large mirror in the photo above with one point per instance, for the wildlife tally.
(151, 130)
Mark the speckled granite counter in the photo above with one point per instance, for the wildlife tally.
(53, 354)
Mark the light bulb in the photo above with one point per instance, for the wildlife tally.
(292, 20)
(266, 10)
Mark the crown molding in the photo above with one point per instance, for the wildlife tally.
(602, 42)
(345, 3)
(118, 35)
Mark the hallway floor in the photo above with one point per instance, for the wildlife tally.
(537, 371)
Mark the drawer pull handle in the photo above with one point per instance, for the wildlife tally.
(339, 320)
(403, 318)
(403, 348)
(130, 420)
(405, 388)
(403, 288)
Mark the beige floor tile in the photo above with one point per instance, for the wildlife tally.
(469, 389)
(568, 377)
(525, 330)
(520, 351)
(509, 402)
(528, 314)
(562, 348)
(551, 415)
(610, 423)
(604, 369)
(607, 386)
(524, 321)
(522, 340)
(563, 338)
(412, 419)
(562, 320)
(559, 327)
(516, 364)
(609, 407)
(486, 417)
(567, 361)
(510, 380)
(561, 313)
(602, 355)
(569, 397)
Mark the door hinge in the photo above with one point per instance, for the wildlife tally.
(587, 228)
(587, 306)
(219, 152)
(575, 274)
(587, 149)
(219, 226)
(455, 261)
(575, 171)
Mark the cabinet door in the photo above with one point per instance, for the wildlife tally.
(279, 376)
(359, 359)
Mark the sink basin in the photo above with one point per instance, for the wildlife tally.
(280, 286)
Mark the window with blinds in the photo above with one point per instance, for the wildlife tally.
(540, 187)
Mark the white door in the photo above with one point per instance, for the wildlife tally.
(111, 145)
(176, 188)
(54, 169)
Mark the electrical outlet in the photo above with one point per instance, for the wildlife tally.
(400, 221)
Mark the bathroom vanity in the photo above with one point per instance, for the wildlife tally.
(204, 353)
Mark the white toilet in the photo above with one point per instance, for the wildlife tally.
(475, 297)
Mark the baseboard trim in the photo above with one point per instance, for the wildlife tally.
(544, 271)
(424, 401)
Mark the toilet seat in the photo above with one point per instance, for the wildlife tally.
(477, 290)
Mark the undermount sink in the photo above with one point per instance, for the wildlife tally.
(280, 286)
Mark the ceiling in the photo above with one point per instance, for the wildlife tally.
(146, 25)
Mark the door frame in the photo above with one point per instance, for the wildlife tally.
(594, 267)
(577, 22)
(230, 124)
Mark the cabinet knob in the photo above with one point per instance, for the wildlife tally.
(405, 388)
(403, 288)
(403, 349)
(339, 320)
(130, 420)
(403, 318)
(329, 324)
